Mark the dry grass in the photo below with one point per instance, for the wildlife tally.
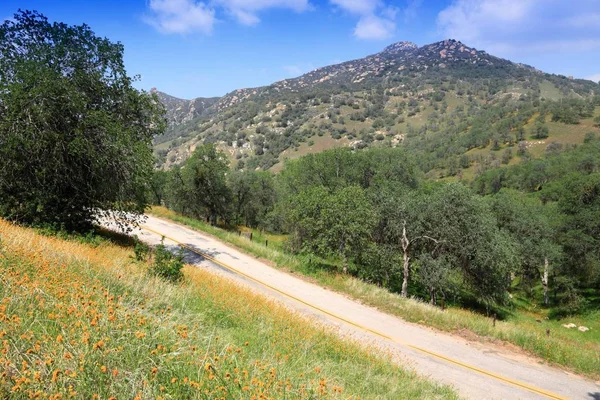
(88, 322)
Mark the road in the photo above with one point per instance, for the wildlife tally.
(475, 370)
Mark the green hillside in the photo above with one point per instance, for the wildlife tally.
(444, 102)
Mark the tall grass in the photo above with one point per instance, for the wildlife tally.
(89, 322)
(570, 348)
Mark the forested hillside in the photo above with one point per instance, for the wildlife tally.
(457, 109)
(531, 228)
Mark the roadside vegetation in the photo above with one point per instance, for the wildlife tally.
(520, 244)
(89, 321)
(523, 325)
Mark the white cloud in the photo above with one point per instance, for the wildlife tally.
(411, 10)
(595, 77)
(372, 27)
(361, 7)
(180, 16)
(187, 16)
(376, 19)
(245, 11)
(508, 27)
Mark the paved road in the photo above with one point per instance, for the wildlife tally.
(475, 370)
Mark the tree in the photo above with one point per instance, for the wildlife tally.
(529, 223)
(75, 136)
(348, 219)
(540, 131)
(467, 238)
(253, 196)
(337, 224)
(402, 227)
(580, 229)
(157, 187)
(205, 183)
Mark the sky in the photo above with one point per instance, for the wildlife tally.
(206, 48)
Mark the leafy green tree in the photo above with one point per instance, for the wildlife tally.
(348, 220)
(337, 224)
(580, 230)
(401, 226)
(467, 238)
(157, 187)
(540, 131)
(253, 194)
(530, 224)
(204, 183)
(435, 274)
(75, 136)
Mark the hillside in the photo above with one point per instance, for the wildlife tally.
(81, 318)
(432, 97)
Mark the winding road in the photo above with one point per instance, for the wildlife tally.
(475, 370)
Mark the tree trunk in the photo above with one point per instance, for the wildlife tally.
(433, 296)
(405, 246)
(343, 252)
(545, 281)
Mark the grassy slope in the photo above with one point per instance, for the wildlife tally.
(578, 351)
(81, 320)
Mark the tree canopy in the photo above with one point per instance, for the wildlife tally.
(75, 136)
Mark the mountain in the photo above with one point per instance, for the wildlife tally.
(444, 101)
(180, 111)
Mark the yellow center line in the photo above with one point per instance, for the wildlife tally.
(501, 378)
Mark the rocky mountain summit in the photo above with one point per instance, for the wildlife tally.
(394, 58)
(404, 95)
(358, 73)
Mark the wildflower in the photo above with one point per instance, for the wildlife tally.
(99, 345)
(103, 369)
(55, 375)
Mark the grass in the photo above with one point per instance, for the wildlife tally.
(320, 143)
(87, 321)
(569, 348)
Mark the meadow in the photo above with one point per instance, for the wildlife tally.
(81, 318)
(523, 326)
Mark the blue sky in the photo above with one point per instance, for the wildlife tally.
(191, 48)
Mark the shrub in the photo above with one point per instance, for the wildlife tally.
(167, 265)
(141, 249)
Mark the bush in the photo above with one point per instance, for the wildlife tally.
(167, 265)
(141, 249)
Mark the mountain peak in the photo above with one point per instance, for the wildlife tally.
(400, 47)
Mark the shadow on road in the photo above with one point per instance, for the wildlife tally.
(594, 396)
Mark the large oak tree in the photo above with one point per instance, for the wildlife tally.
(75, 136)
